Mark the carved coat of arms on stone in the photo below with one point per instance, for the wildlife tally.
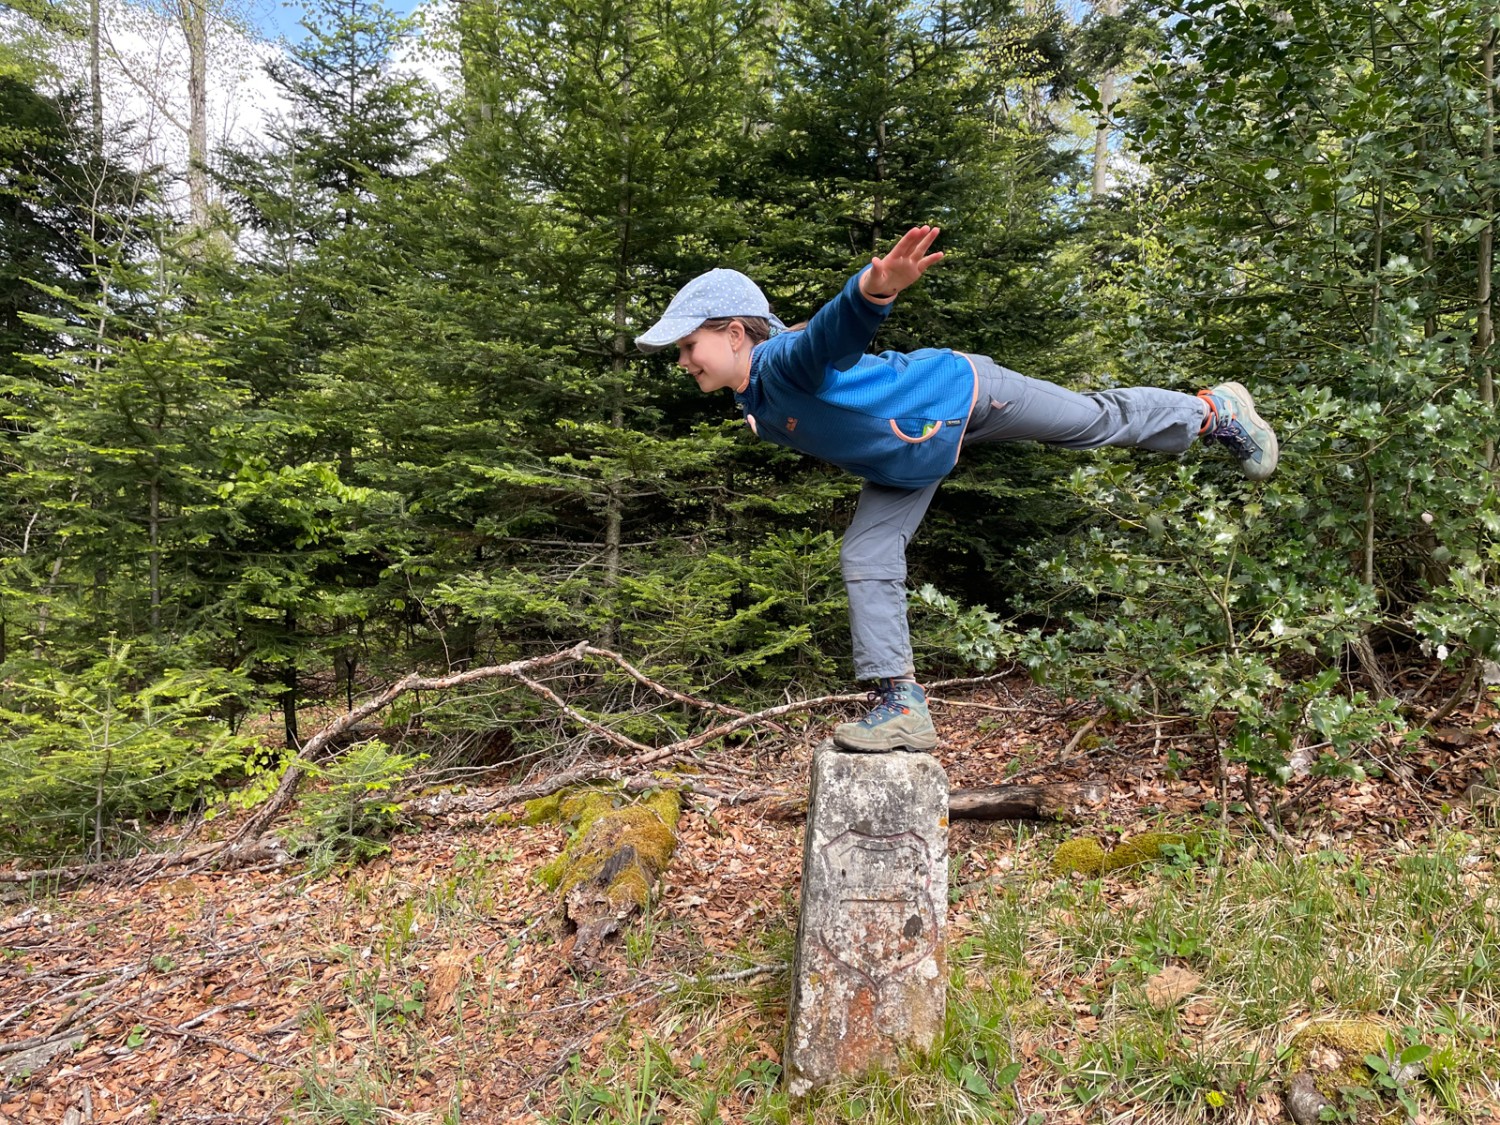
(885, 920)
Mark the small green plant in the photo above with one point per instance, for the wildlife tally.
(330, 1098)
(351, 816)
(1395, 1069)
(88, 752)
(628, 1096)
(399, 1008)
(316, 1022)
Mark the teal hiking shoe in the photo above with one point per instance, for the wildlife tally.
(898, 721)
(1233, 423)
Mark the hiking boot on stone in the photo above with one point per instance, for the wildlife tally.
(898, 721)
(1233, 423)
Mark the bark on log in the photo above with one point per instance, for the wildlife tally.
(1061, 801)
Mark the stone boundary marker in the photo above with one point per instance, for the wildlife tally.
(869, 979)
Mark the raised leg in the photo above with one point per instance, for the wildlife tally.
(1015, 407)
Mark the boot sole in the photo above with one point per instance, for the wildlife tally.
(921, 745)
(1270, 455)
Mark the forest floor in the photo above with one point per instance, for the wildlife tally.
(435, 985)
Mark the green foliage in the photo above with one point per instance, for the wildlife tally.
(1395, 1068)
(1308, 233)
(349, 813)
(402, 423)
(972, 633)
(83, 754)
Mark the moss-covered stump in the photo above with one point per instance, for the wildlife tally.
(1326, 1058)
(607, 871)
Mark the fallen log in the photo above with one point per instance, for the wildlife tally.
(1058, 801)
(1063, 801)
(252, 843)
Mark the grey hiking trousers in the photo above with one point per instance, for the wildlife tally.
(1010, 407)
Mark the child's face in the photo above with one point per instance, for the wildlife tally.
(716, 358)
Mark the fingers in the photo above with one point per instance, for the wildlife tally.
(915, 243)
(906, 261)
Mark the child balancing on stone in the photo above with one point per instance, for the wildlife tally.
(898, 421)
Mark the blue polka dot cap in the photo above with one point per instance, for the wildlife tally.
(714, 294)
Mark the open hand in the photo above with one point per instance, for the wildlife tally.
(907, 261)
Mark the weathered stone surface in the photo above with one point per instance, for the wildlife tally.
(869, 977)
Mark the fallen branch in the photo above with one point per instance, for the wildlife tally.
(1062, 801)
(414, 681)
(251, 845)
(661, 689)
(183, 1031)
(518, 670)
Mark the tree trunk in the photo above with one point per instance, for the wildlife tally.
(96, 84)
(1484, 331)
(1377, 251)
(614, 512)
(154, 521)
(1429, 251)
(1362, 646)
(1064, 801)
(289, 690)
(192, 15)
(1110, 9)
(613, 528)
(1101, 135)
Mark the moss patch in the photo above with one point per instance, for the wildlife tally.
(543, 810)
(1147, 848)
(1084, 855)
(1333, 1053)
(1081, 855)
(582, 808)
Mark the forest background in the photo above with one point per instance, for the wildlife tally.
(307, 413)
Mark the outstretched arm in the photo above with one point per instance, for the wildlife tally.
(839, 332)
(907, 261)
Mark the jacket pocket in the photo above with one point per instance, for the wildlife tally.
(915, 430)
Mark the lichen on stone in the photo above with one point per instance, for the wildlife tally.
(1082, 855)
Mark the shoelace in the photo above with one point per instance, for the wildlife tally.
(1237, 438)
(885, 707)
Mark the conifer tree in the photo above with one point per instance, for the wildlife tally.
(883, 114)
(597, 138)
(67, 212)
(318, 264)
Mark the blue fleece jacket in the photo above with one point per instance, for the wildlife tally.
(895, 418)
